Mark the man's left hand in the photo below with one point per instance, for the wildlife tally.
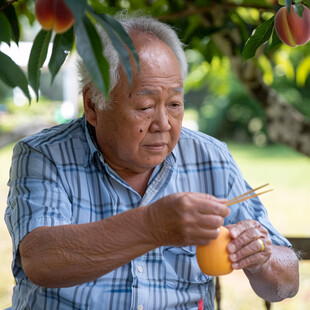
(246, 250)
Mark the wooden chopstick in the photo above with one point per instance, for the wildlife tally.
(244, 196)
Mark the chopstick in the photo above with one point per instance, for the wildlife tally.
(245, 196)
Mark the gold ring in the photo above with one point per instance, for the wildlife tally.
(262, 244)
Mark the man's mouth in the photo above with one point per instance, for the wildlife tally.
(156, 147)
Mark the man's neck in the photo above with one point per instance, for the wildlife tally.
(138, 181)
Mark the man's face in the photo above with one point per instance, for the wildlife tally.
(145, 121)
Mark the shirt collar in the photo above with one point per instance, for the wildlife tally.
(91, 141)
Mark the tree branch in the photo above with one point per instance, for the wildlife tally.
(7, 4)
(191, 9)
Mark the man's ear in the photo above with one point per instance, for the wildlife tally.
(89, 107)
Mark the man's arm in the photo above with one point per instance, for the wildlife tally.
(273, 273)
(68, 255)
(279, 279)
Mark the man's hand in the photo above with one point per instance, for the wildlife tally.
(186, 219)
(273, 272)
(245, 249)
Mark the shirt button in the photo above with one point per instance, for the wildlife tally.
(140, 307)
(140, 269)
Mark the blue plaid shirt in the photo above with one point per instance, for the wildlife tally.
(59, 177)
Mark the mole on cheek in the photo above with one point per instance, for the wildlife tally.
(141, 130)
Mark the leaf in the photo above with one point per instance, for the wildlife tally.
(261, 34)
(288, 4)
(89, 47)
(12, 75)
(36, 59)
(6, 31)
(274, 41)
(62, 46)
(299, 8)
(119, 29)
(11, 15)
(117, 43)
(77, 8)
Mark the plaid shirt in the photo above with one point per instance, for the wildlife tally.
(59, 177)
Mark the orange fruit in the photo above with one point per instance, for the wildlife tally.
(213, 258)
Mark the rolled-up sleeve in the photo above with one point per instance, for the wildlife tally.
(36, 197)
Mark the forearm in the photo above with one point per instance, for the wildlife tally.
(72, 254)
(279, 277)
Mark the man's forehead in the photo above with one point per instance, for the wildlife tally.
(148, 92)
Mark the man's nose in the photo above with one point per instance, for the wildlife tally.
(160, 121)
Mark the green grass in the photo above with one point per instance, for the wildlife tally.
(288, 208)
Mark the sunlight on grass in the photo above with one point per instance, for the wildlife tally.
(288, 174)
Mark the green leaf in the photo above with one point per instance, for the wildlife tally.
(117, 43)
(36, 59)
(288, 4)
(261, 34)
(6, 31)
(274, 41)
(89, 47)
(11, 15)
(299, 8)
(119, 29)
(77, 8)
(62, 46)
(12, 75)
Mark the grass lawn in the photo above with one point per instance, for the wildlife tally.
(288, 207)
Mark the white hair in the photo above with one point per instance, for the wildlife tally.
(142, 24)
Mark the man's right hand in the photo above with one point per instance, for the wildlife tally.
(186, 219)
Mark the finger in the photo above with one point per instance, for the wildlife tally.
(251, 248)
(205, 205)
(244, 239)
(209, 197)
(239, 228)
(257, 259)
(212, 221)
(204, 236)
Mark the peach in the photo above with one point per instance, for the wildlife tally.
(292, 29)
(54, 15)
(213, 258)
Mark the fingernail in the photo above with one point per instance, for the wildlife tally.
(233, 233)
(231, 248)
(233, 257)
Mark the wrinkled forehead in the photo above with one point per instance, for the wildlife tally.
(151, 48)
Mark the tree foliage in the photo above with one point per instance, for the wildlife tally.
(238, 31)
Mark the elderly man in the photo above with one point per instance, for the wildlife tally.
(105, 211)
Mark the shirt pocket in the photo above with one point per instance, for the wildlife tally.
(182, 268)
